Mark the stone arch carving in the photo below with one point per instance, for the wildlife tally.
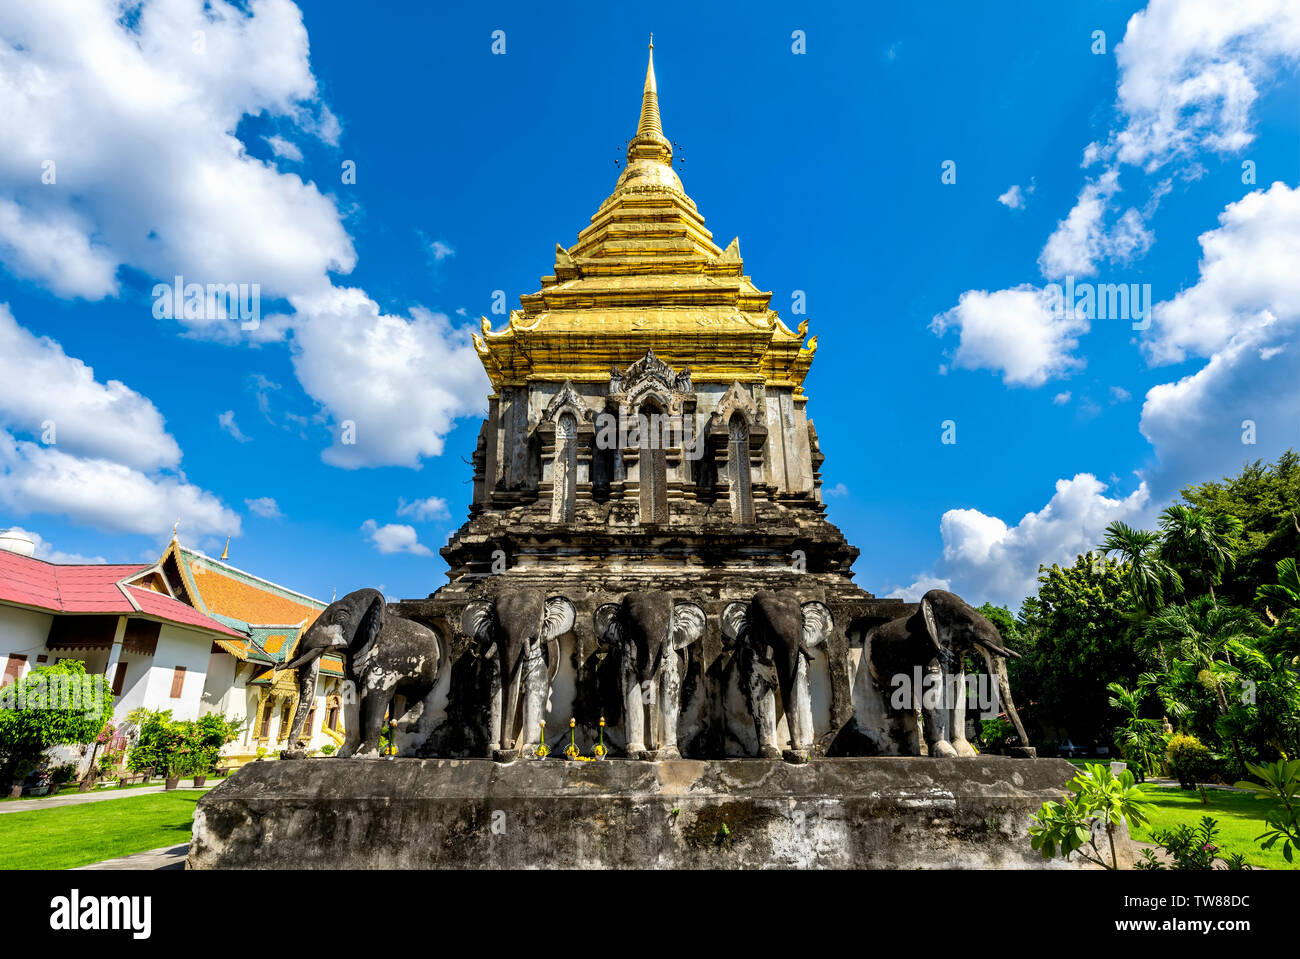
(737, 399)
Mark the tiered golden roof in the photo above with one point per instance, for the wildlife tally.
(646, 275)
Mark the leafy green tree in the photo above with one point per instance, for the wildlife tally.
(56, 705)
(1203, 543)
(1075, 638)
(1266, 498)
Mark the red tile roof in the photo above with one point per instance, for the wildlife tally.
(26, 581)
(164, 607)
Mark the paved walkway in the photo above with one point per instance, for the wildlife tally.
(168, 857)
(76, 799)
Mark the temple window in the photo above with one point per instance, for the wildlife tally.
(651, 426)
(565, 472)
(742, 501)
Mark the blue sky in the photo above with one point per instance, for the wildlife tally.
(211, 145)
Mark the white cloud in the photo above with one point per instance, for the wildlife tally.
(986, 559)
(1013, 198)
(106, 495)
(839, 489)
(424, 510)
(921, 586)
(228, 424)
(46, 551)
(265, 507)
(40, 385)
(1014, 331)
(1060, 399)
(401, 383)
(150, 175)
(394, 538)
(104, 456)
(440, 250)
(1082, 239)
(284, 148)
(1248, 280)
(1120, 395)
(140, 129)
(1191, 71)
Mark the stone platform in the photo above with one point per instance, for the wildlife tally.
(877, 813)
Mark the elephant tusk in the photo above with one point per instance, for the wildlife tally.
(998, 650)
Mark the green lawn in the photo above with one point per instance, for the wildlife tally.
(1239, 815)
(71, 836)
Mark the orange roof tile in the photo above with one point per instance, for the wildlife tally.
(228, 596)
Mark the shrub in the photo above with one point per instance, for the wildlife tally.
(1189, 760)
(328, 749)
(1190, 848)
(54, 705)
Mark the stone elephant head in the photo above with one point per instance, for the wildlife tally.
(775, 635)
(933, 643)
(648, 630)
(518, 633)
(384, 656)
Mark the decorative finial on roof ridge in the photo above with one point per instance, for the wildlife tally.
(175, 526)
(650, 123)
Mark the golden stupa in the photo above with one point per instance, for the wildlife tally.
(647, 276)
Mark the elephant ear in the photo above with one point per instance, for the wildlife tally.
(735, 623)
(687, 626)
(606, 623)
(558, 618)
(476, 622)
(372, 621)
(931, 626)
(817, 624)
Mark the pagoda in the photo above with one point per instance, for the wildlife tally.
(648, 430)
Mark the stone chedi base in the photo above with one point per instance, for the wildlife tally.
(877, 813)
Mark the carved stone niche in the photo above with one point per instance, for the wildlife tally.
(565, 437)
(654, 453)
(734, 436)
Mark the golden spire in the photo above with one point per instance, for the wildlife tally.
(225, 553)
(650, 100)
(650, 142)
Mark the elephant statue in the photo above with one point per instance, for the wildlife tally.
(385, 656)
(774, 635)
(649, 630)
(934, 641)
(518, 635)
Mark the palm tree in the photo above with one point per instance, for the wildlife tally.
(1203, 634)
(1146, 574)
(1200, 541)
(1141, 741)
(1284, 595)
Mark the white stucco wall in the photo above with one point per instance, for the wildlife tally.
(23, 631)
(178, 646)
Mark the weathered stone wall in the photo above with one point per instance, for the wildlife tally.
(740, 814)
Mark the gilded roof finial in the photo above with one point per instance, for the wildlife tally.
(225, 553)
(650, 100)
(175, 526)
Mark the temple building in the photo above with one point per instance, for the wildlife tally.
(187, 633)
(648, 429)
